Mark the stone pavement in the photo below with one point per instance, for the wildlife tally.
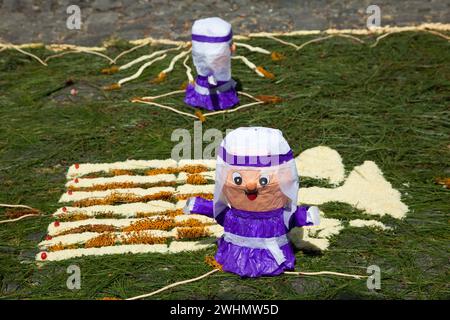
(23, 21)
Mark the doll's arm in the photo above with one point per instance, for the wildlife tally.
(305, 216)
(198, 205)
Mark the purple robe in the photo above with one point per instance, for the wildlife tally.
(250, 261)
(213, 98)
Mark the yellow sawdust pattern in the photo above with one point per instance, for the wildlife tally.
(169, 213)
(121, 172)
(196, 179)
(150, 224)
(99, 228)
(192, 233)
(117, 198)
(142, 238)
(207, 196)
(73, 217)
(211, 261)
(191, 169)
(103, 240)
(190, 223)
(123, 185)
(60, 246)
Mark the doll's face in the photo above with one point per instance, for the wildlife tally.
(254, 190)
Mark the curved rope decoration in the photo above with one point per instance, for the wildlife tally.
(141, 69)
(21, 217)
(354, 276)
(432, 28)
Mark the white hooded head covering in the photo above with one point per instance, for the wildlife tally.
(211, 40)
(262, 149)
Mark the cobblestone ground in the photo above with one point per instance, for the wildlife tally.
(45, 20)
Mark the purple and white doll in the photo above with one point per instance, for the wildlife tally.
(212, 46)
(255, 200)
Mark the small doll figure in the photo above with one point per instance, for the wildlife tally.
(214, 89)
(255, 200)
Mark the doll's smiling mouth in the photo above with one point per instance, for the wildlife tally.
(251, 195)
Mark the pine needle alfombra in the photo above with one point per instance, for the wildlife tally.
(109, 219)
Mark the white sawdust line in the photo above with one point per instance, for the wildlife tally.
(90, 182)
(209, 163)
(139, 192)
(175, 247)
(125, 210)
(187, 189)
(86, 168)
(56, 229)
(82, 238)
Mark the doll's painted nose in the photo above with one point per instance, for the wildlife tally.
(251, 185)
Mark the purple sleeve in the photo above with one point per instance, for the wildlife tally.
(203, 207)
(206, 208)
(299, 218)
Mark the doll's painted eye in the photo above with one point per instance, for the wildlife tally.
(237, 178)
(264, 180)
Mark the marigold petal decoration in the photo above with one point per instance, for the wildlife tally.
(184, 85)
(276, 56)
(20, 212)
(269, 99)
(196, 179)
(160, 78)
(103, 240)
(266, 73)
(192, 232)
(210, 261)
(444, 181)
(114, 86)
(200, 116)
(111, 70)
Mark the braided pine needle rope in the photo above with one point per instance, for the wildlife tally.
(234, 109)
(128, 51)
(384, 31)
(147, 57)
(17, 48)
(173, 285)
(174, 61)
(141, 69)
(78, 50)
(249, 64)
(163, 95)
(399, 31)
(188, 70)
(164, 107)
(354, 276)
(252, 48)
(148, 100)
(18, 206)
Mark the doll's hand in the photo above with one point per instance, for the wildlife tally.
(313, 216)
(189, 205)
(212, 81)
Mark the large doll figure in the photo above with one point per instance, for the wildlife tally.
(214, 89)
(255, 200)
